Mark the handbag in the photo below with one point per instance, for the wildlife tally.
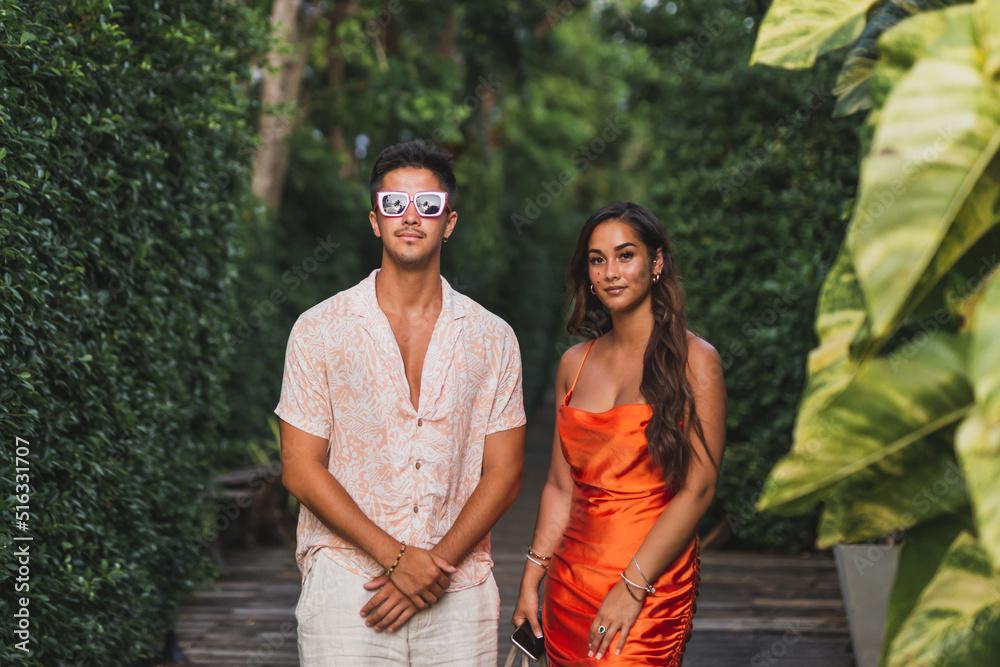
(525, 661)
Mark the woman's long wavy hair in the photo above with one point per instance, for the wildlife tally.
(665, 385)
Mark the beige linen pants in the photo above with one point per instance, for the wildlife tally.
(460, 629)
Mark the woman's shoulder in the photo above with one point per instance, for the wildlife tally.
(571, 361)
(702, 355)
(574, 355)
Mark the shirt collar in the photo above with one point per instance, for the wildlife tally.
(366, 303)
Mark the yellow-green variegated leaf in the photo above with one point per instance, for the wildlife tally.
(889, 420)
(852, 87)
(956, 621)
(924, 547)
(918, 482)
(928, 189)
(794, 32)
(978, 439)
(840, 321)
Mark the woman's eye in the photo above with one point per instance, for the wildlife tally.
(595, 260)
(628, 254)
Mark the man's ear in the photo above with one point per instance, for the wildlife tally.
(373, 219)
(449, 226)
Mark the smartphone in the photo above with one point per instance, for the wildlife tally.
(524, 638)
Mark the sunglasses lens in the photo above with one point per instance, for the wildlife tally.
(430, 204)
(392, 203)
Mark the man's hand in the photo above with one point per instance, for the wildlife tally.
(388, 608)
(421, 577)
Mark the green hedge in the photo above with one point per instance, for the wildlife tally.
(126, 136)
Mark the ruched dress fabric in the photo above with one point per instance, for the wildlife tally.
(618, 495)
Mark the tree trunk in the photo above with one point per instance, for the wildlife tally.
(281, 84)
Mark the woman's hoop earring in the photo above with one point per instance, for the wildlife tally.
(656, 278)
(592, 290)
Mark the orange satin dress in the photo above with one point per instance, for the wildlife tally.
(618, 495)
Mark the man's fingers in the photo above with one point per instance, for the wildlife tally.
(443, 564)
(403, 618)
(373, 604)
(391, 615)
(377, 582)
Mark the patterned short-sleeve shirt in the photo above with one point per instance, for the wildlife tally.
(411, 471)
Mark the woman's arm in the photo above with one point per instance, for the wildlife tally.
(675, 527)
(553, 509)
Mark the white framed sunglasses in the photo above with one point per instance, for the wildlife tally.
(429, 204)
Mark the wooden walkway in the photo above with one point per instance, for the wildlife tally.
(753, 610)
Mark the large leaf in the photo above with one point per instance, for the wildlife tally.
(794, 32)
(928, 190)
(852, 87)
(840, 321)
(903, 401)
(978, 439)
(923, 550)
(918, 482)
(956, 621)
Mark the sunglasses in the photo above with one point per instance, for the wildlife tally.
(429, 204)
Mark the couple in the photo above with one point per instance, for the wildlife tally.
(402, 434)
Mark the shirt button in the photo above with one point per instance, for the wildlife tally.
(420, 422)
(417, 466)
(415, 509)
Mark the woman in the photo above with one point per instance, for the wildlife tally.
(640, 432)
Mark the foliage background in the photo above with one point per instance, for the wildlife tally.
(745, 167)
(147, 302)
(124, 136)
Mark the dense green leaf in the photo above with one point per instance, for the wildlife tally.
(978, 439)
(956, 621)
(852, 88)
(894, 413)
(924, 547)
(794, 33)
(927, 190)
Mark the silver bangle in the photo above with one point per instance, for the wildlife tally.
(536, 561)
(648, 589)
(647, 586)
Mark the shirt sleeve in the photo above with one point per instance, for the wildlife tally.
(305, 399)
(508, 402)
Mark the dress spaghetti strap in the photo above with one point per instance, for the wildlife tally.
(570, 392)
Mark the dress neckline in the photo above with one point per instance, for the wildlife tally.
(611, 409)
(569, 394)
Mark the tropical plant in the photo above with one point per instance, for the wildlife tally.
(898, 430)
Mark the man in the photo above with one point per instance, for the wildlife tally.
(402, 434)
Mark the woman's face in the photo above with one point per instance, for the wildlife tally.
(619, 265)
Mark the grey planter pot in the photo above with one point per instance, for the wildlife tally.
(866, 575)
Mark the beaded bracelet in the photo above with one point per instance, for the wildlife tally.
(398, 556)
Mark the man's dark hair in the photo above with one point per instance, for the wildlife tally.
(421, 156)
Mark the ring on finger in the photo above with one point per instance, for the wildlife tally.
(601, 630)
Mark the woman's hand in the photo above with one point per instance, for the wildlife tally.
(616, 615)
(526, 609)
